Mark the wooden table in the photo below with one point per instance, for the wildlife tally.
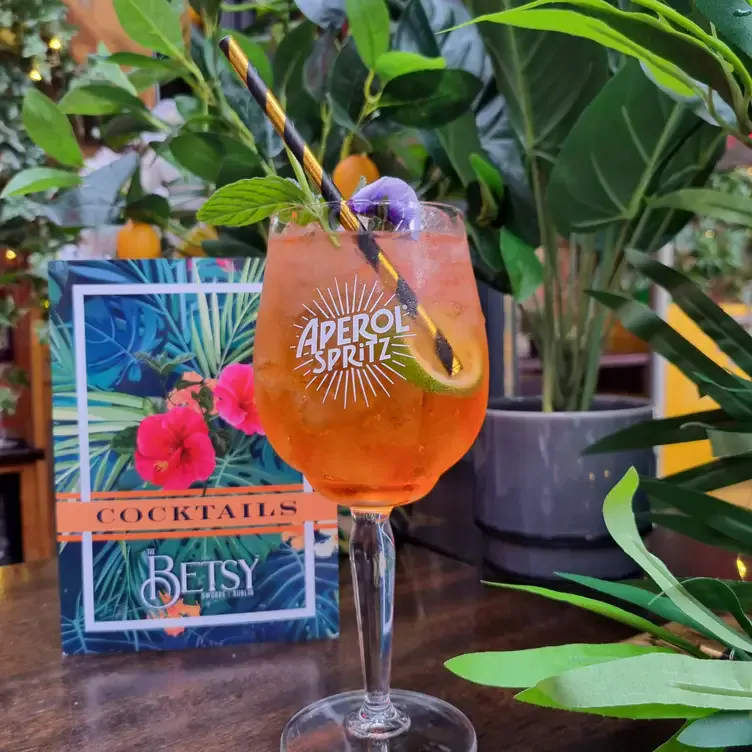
(237, 699)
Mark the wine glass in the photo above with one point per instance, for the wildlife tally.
(352, 392)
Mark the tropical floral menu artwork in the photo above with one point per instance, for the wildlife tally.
(178, 525)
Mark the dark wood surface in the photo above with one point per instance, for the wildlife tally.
(237, 699)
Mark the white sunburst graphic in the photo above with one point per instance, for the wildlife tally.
(351, 344)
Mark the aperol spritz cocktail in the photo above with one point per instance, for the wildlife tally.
(351, 392)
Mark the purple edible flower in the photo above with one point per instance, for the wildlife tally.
(402, 207)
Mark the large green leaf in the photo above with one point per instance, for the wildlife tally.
(718, 731)
(699, 531)
(719, 473)
(655, 679)
(678, 56)
(730, 336)
(198, 153)
(615, 613)
(730, 442)
(398, 63)
(674, 745)
(99, 99)
(153, 24)
(678, 430)
(249, 201)
(49, 128)
(98, 201)
(547, 80)
(346, 86)
(523, 266)
(663, 607)
(712, 379)
(516, 669)
(38, 179)
(427, 99)
(536, 696)
(624, 149)
(728, 519)
(713, 204)
(731, 18)
(723, 594)
(620, 521)
(369, 26)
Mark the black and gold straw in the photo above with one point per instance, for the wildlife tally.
(367, 244)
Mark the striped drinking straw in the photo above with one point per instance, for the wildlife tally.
(385, 270)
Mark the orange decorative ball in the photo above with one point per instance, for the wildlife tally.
(350, 170)
(138, 240)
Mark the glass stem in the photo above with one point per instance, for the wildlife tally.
(373, 560)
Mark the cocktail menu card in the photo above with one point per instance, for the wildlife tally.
(178, 525)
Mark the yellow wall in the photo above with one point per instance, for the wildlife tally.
(681, 397)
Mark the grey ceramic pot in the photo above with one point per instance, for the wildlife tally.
(538, 501)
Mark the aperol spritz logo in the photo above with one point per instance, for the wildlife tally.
(352, 343)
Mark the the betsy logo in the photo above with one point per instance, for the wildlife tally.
(232, 578)
(352, 347)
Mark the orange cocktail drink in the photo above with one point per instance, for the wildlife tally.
(349, 387)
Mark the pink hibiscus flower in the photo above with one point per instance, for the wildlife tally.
(173, 449)
(234, 398)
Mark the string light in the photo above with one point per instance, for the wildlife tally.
(35, 75)
(10, 254)
(710, 234)
(55, 43)
(741, 567)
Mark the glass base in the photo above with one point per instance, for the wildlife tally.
(434, 726)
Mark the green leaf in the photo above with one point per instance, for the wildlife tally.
(99, 99)
(675, 745)
(643, 36)
(398, 63)
(487, 174)
(619, 519)
(523, 266)
(153, 24)
(713, 204)
(718, 731)
(197, 153)
(728, 519)
(615, 613)
(673, 680)
(732, 20)
(727, 443)
(292, 51)
(249, 201)
(369, 26)
(346, 86)
(38, 179)
(658, 605)
(632, 142)
(152, 209)
(698, 531)
(573, 71)
(535, 696)
(710, 476)
(49, 128)
(124, 442)
(730, 336)
(97, 201)
(525, 668)
(255, 53)
(678, 430)
(136, 60)
(428, 99)
(714, 380)
(723, 594)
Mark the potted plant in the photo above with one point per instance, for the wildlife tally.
(586, 157)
